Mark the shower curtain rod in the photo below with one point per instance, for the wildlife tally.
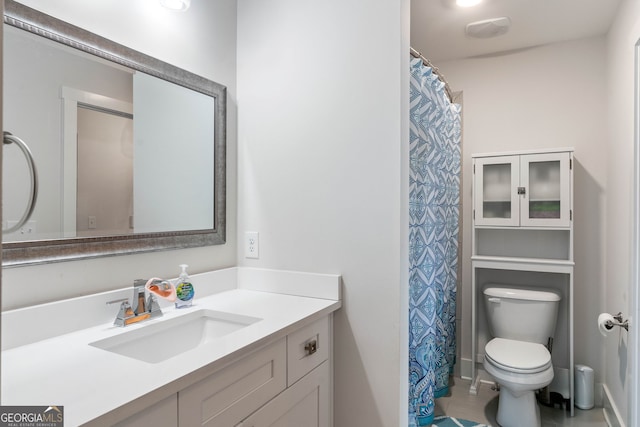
(437, 72)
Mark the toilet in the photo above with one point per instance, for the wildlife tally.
(521, 322)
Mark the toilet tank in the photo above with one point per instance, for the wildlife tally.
(521, 314)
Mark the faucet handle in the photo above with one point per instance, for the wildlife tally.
(115, 301)
(153, 307)
(125, 312)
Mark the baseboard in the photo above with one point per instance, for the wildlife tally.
(611, 414)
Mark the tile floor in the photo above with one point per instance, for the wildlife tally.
(483, 408)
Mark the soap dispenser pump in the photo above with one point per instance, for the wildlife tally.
(184, 289)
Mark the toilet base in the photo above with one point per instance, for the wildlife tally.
(518, 411)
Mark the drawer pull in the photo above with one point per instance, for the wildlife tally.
(311, 347)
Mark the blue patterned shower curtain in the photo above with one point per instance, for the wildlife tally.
(434, 199)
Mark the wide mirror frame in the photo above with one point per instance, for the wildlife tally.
(56, 250)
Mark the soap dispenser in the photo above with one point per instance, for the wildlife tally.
(184, 289)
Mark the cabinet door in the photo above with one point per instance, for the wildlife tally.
(231, 394)
(305, 404)
(496, 199)
(547, 198)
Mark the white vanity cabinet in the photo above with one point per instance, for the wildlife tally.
(284, 383)
(306, 401)
(161, 414)
(305, 404)
(228, 396)
(523, 190)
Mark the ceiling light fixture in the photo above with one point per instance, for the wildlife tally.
(488, 28)
(180, 5)
(468, 3)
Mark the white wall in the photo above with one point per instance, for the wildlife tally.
(201, 40)
(33, 78)
(550, 96)
(322, 90)
(620, 148)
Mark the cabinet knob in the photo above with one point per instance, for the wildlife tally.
(311, 347)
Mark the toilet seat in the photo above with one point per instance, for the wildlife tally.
(517, 356)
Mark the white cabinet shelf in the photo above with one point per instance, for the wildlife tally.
(523, 236)
(523, 264)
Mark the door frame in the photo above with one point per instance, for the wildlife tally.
(71, 97)
(634, 331)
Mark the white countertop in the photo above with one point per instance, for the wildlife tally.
(90, 382)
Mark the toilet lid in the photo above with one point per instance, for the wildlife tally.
(518, 356)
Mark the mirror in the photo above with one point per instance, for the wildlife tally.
(130, 150)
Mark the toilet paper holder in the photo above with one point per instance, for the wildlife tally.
(609, 324)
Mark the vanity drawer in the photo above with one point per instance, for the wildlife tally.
(161, 414)
(231, 394)
(307, 348)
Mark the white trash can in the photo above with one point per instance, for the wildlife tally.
(584, 387)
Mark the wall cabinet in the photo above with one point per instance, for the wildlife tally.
(523, 236)
(525, 190)
(285, 383)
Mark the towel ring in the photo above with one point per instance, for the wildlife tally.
(33, 193)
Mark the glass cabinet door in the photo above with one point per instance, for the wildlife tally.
(545, 178)
(496, 195)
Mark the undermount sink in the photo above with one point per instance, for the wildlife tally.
(160, 341)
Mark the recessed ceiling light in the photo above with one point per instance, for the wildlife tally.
(180, 5)
(468, 3)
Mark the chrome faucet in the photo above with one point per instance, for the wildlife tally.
(145, 309)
